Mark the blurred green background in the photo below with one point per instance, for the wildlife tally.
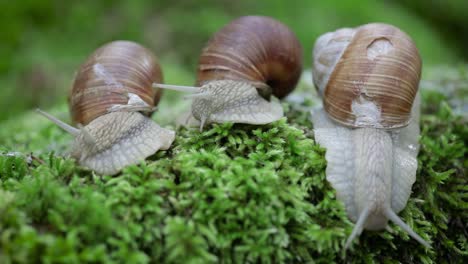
(42, 43)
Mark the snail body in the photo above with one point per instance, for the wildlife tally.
(368, 78)
(244, 68)
(111, 101)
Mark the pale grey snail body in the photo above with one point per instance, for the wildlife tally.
(368, 78)
(110, 101)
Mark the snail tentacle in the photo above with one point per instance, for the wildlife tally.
(70, 129)
(180, 88)
(358, 227)
(397, 220)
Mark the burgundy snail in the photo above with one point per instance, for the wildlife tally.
(242, 69)
(368, 78)
(110, 93)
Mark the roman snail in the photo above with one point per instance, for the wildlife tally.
(242, 69)
(368, 78)
(111, 101)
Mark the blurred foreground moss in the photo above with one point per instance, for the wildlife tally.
(231, 194)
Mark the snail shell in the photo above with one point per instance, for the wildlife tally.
(241, 67)
(110, 92)
(108, 75)
(254, 49)
(368, 76)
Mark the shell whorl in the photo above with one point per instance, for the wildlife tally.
(368, 76)
(327, 51)
(254, 49)
(107, 77)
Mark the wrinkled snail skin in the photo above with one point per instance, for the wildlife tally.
(111, 101)
(370, 150)
(244, 68)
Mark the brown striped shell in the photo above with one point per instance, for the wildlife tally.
(255, 49)
(108, 75)
(368, 76)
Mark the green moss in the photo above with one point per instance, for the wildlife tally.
(232, 194)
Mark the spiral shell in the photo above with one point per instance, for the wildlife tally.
(255, 49)
(109, 75)
(368, 76)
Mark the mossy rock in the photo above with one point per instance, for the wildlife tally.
(229, 194)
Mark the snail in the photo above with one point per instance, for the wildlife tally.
(242, 70)
(368, 78)
(111, 101)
